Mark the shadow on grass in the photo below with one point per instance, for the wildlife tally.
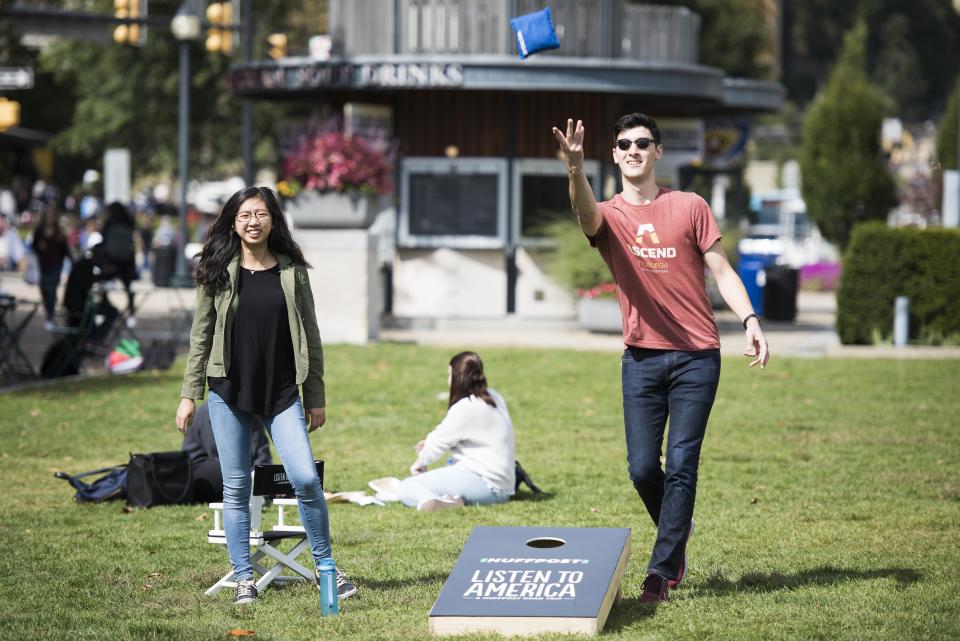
(626, 612)
(533, 498)
(95, 384)
(769, 581)
(388, 584)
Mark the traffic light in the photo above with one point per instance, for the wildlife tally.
(220, 35)
(278, 45)
(9, 114)
(129, 33)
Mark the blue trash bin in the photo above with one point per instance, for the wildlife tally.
(754, 278)
(756, 255)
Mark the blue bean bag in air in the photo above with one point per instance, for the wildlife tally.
(535, 32)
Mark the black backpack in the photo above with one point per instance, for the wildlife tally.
(63, 358)
(118, 243)
(523, 477)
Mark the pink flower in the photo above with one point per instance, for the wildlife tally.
(605, 290)
(334, 162)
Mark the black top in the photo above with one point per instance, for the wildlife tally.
(263, 376)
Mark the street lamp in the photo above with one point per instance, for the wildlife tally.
(186, 28)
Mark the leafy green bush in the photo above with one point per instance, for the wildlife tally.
(882, 263)
(845, 178)
(576, 264)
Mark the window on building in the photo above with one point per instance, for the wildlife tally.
(543, 197)
(453, 205)
(453, 202)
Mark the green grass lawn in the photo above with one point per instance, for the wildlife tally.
(828, 504)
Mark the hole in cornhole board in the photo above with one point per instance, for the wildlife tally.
(545, 542)
(532, 580)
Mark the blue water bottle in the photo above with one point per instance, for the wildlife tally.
(327, 581)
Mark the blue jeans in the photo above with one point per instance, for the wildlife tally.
(683, 385)
(49, 281)
(288, 431)
(451, 480)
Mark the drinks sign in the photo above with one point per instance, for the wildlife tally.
(526, 580)
(345, 75)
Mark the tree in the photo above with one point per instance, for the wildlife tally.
(947, 132)
(121, 96)
(813, 31)
(897, 69)
(911, 52)
(128, 97)
(734, 35)
(845, 179)
(906, 48)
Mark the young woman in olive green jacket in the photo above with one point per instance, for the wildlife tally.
(255, 342)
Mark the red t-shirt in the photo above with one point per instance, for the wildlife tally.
(655, 254)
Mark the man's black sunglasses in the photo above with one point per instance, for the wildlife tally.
(623, 144)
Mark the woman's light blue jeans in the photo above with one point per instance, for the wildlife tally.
(288, 431)
(451, 480)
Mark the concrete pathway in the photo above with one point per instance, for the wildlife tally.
(166, 312)
(810, 336)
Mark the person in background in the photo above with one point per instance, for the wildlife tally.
(477, 432)
(90, 235)
(146, 237)
(201, 446)
(119, 249)
(89, 204)
(49, 244)
(73, 234)
(11, 246)
(166, 234)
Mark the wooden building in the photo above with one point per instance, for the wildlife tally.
(478, 175)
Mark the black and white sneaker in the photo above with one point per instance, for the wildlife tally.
(246, 592)
(345, 587)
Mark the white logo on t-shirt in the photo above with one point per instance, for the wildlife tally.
(646, 229)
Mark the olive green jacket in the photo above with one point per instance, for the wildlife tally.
(210, 335)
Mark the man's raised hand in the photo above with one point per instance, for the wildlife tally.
(571, 143)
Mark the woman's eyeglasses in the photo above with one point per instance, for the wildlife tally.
(623, 144)
(245, 216)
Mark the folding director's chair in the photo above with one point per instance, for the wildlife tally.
(268, 480)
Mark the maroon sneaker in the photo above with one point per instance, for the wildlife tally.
(672, 583)
(654, 589)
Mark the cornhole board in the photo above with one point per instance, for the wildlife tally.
(530, 580)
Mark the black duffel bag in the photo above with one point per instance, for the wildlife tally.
(159, 478)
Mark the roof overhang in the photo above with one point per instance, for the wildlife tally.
(744, 94)
(291, 77)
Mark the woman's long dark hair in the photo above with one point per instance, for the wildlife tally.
(50, 210)
(467, 378)
(223, 244)
(118, 214)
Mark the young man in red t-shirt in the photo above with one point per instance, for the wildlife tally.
(656, 243)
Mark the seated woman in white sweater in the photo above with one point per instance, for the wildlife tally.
(478, 434)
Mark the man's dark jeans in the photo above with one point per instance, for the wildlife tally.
(658, 383)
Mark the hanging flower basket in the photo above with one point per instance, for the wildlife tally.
(313, 209)
(334, 180)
